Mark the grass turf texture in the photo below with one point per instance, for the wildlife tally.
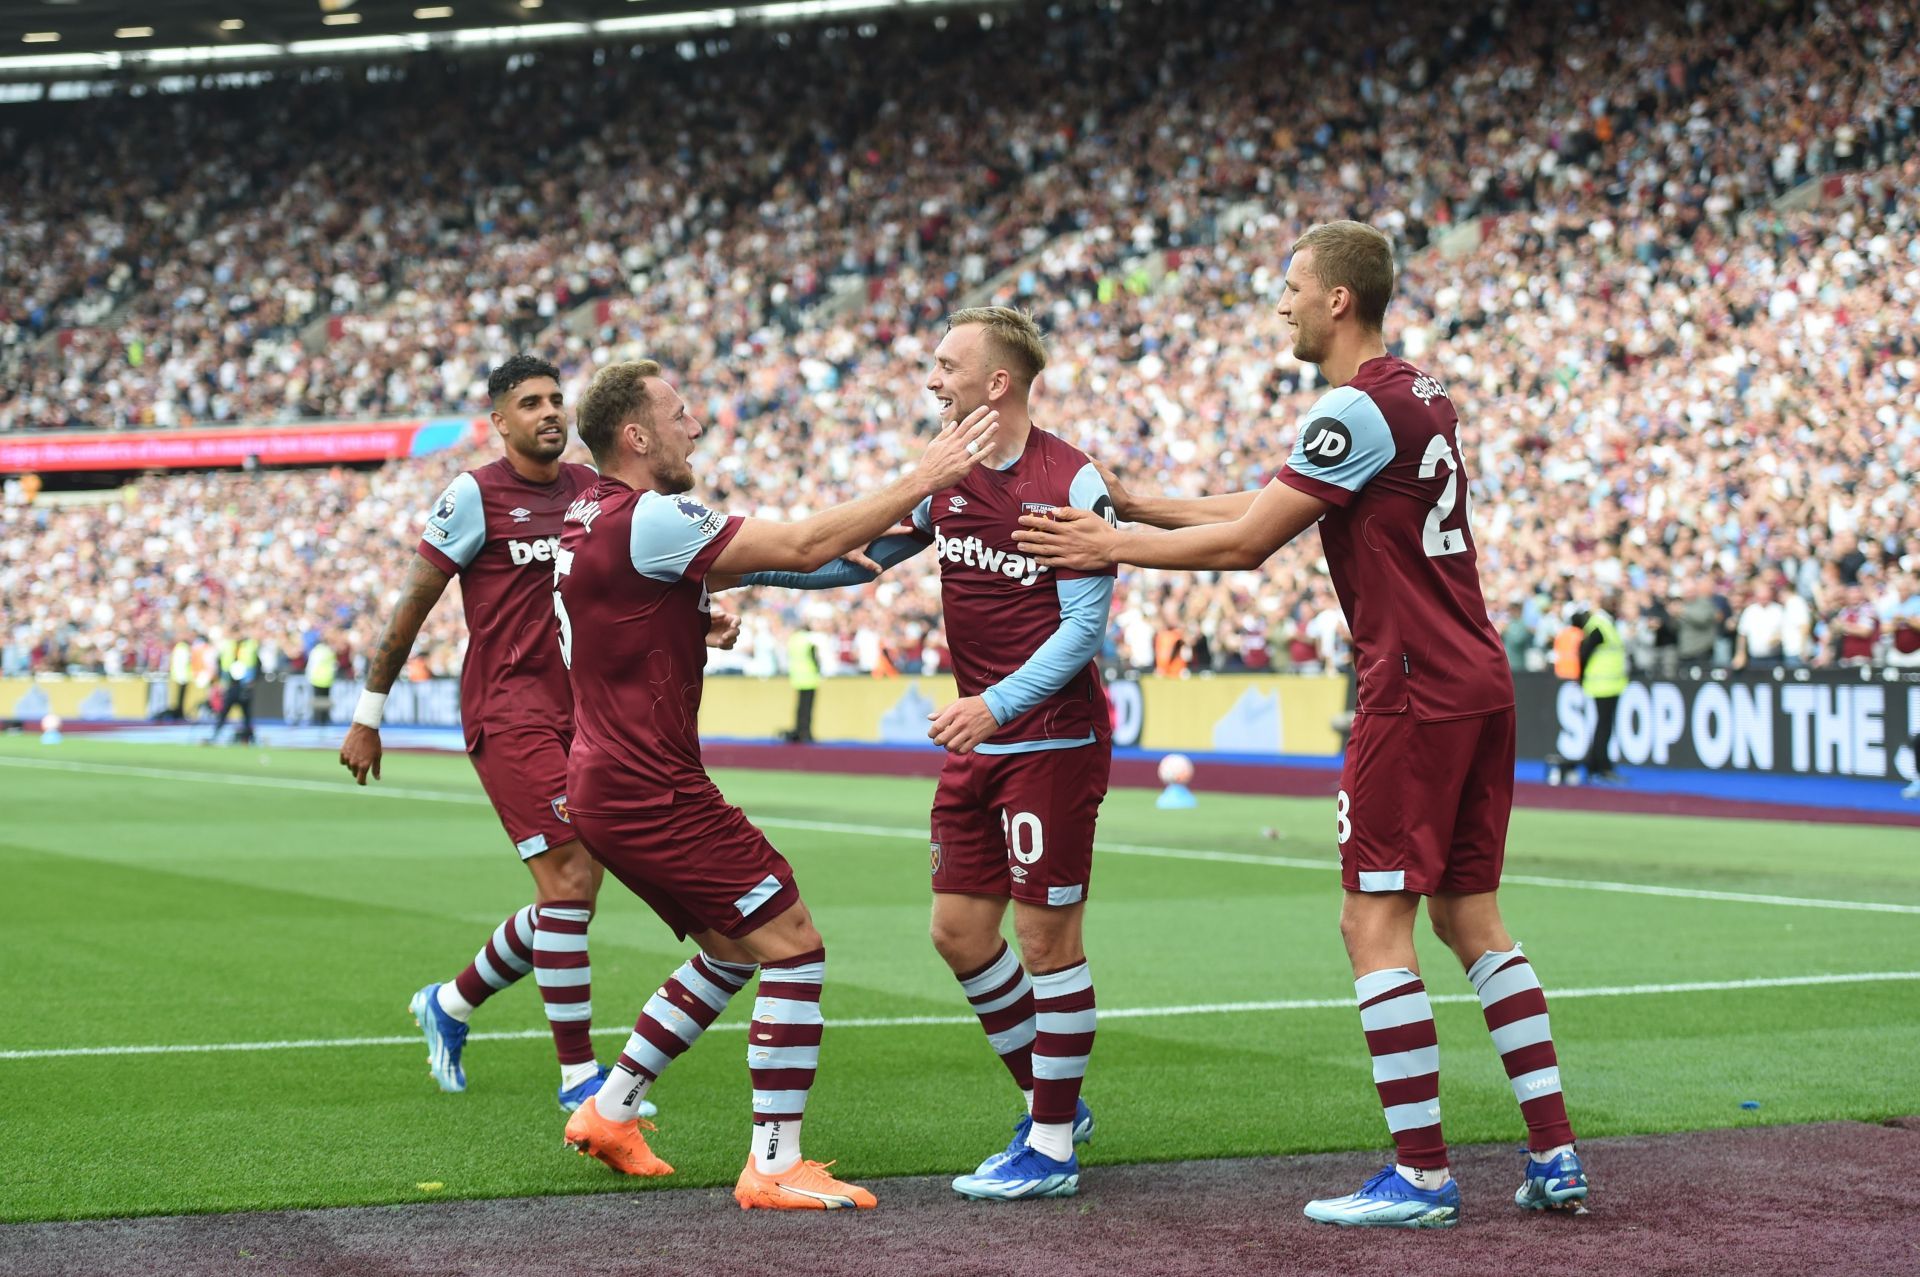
(150, 910)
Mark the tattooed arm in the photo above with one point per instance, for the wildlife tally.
(360, 752)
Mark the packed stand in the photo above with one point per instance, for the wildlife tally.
(1668, 390)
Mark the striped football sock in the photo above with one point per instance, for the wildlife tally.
(1398, 1021)
(1064, 1019)
(783, 1052)
(507, 955)
(565, 976)
(1516, 1012)
(1002, 996)
(675, 1016)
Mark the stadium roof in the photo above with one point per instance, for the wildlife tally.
(93, 37)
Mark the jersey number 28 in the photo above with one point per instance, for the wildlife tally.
(1438, 541)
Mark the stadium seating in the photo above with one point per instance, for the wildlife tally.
(1665, 379)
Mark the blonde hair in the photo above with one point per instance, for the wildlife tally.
(1358, 258)
(617, 395)
(1015, 338)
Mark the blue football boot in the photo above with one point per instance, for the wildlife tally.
(446, 1038)
(1388, 1201)
(1560, 1184)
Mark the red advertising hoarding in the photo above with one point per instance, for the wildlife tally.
(320, 442)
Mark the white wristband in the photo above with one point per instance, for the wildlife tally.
(372, 705)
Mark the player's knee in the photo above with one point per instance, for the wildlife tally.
(567, 873)
(961, 946)
(1050, 953)
(1350, 929)
(947, 939)
(1443, 926)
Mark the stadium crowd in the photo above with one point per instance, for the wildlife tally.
(1678, 400)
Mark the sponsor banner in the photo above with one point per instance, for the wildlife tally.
(431, 702)
(269, 698)
(1234, 714)
(77, 698)
(876, 711)
(1803, 723)
(235, 445)
(1239, 714)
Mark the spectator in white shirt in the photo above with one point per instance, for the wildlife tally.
(1763, 623)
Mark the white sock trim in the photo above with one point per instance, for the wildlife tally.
(776, 1146)
(452, 1003)
(1423, 1178)
(1051, 1139)
(619, 1097)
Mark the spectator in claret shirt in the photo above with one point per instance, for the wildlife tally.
(1856, 629)
(1903, 625)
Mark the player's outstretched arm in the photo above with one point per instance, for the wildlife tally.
(1173, 512)
(849, 569)
(765, 546)
(360, 752)
(1085, 542)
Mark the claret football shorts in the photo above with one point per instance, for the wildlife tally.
(1423, 806)
(696, 860)
(1019, 825)
(524, 771)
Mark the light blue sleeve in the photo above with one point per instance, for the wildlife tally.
(890, 550)
(669, 532)
(1345, 441)
(1084, 603)
(1088, 491)
(457, 527)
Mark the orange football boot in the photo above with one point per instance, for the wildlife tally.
(619, 1144)
(806, 1186)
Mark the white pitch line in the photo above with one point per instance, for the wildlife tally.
(378, 790)
(915, 1021)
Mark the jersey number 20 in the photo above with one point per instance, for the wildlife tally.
(1436, 540)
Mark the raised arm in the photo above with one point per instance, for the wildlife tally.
(1174, 512)
(889, 551)
(1081, 540)
(1343, 444)
(764, 546)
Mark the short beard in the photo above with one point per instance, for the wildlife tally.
(674, 484)
(1305, 350)
(534, 450)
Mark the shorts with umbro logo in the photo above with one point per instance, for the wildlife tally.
(1019, 825)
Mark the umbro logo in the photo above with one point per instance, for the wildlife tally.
(520, 514)
(956, 503)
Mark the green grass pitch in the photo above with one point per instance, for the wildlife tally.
(144, 907)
